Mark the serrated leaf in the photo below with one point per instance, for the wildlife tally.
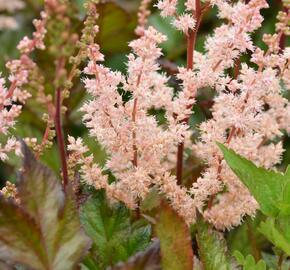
(278, 232)
(90, 262)
(145, 260)
(212, 247)
(272, 191)
(175, 240)
(265, 185)
(248, 262)
(44, 231)
(115, 237)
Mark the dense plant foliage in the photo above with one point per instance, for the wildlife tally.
(144, 135)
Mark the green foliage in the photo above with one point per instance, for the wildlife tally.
(272, 192)
(44, 231)
(212, 248)
(115, 237)
(278, 232)
(247, 238)
(248, 262)
(175, 241)
(268, 187)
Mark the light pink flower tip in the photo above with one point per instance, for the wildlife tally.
(167, 7)
(184, 23)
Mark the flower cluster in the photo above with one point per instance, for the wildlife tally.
(19, 73)
(10, 191)
(143, 15)
(138, 147)
(183, 22)
(249, 112)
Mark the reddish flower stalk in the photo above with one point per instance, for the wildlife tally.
(10, 92)
(60, 137)
(58, 125)
(283, 37)
(191, 42)
(135, 149)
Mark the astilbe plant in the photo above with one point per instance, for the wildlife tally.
(249, 112)
(144, 155)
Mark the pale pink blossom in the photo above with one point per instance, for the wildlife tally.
(184, 23)
(137, 146)
(249, 114)
(19, 74)
(143, 15)
(167, 7)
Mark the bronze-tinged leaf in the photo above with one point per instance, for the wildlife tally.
(5, 266)
(175, 240)
(41, 195)
(44, 231)
(116, 24)
(211, 247)
(144, 260)
(20, 237)
(70, 241)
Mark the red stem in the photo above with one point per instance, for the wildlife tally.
(135, 149)
(283, 37)
(191, 41)
(60, 138)
(9, 93)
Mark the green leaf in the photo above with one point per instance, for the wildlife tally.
(90, 262)
(115, 237)
(145, 260)
(175, 240)
(272, 191)
(266, 186)
(44, 231)
(248, 262)
(212, 247)
(278, 232)
(246, 238)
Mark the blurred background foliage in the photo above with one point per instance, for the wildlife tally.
(117, 22)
